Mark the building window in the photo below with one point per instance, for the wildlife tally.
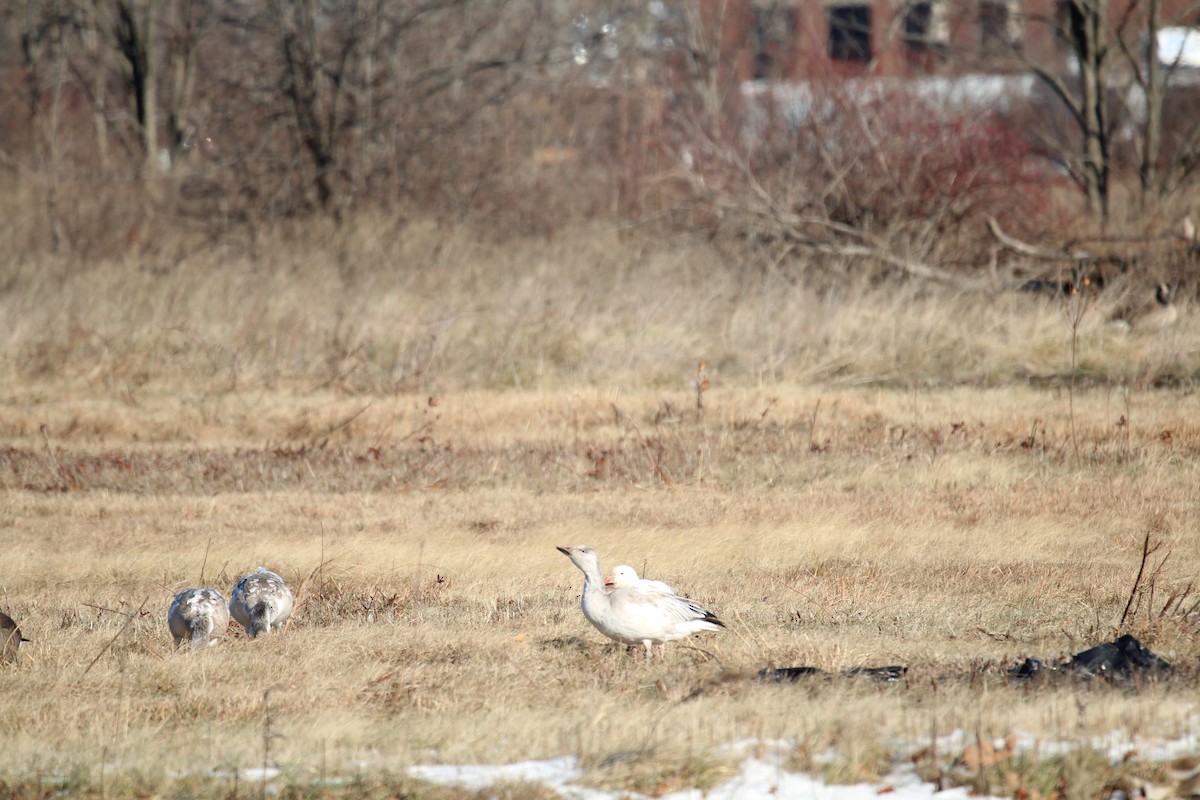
(850, 33)
(774, 34)
(918, 19)
(999, 24)
(926, 27)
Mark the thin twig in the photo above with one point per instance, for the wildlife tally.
(58, 468)
(781, 582)
(302, 591)
(125, 627)
(655, 467)
(1030, 250)
(1147, 550)
(114, 610)
(1076, 307)
(204, 561)
(812, 425)
(323, 439)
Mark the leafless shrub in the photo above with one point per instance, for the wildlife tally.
(1180, 606)
(874, 173)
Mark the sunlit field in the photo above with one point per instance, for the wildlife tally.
(404, 421)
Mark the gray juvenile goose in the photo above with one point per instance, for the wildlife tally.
(1155, 315)
(199, 616)
(261, 602)
(11, 639)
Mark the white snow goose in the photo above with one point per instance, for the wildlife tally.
(261, 602)
(635, 614)
(625, 575)
(198, 616)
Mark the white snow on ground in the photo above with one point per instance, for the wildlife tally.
(1115, 745)
(760, 778)
(557, 774)
(761, 775)
(764, 780)
(246, 773)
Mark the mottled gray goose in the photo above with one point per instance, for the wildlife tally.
(261, 602)
(198, 616)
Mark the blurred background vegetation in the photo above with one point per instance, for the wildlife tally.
(399, 142)
(122, 116)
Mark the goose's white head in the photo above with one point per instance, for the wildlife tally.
(623, 575)
(583, 557)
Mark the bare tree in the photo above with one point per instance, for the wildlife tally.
(1086, 32)
(132, 28)
(316, 104)
(367, 85)
(42, 27)
(184, 23)
(704, 23)
(1118, 92)
(1164, 164)
(313, 83)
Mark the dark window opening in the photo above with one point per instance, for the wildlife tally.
(918, 24)
(850, 33)
(995, 25)
(774, 39)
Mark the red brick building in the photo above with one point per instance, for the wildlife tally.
(796, 39)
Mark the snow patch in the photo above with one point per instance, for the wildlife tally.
(761, 775)
(757, 779)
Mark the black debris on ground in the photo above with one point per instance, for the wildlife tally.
(889, 674)
(1122, 660)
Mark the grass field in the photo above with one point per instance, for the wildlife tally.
(404, 423)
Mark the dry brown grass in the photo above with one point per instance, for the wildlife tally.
(841, 502)
(382, 307)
